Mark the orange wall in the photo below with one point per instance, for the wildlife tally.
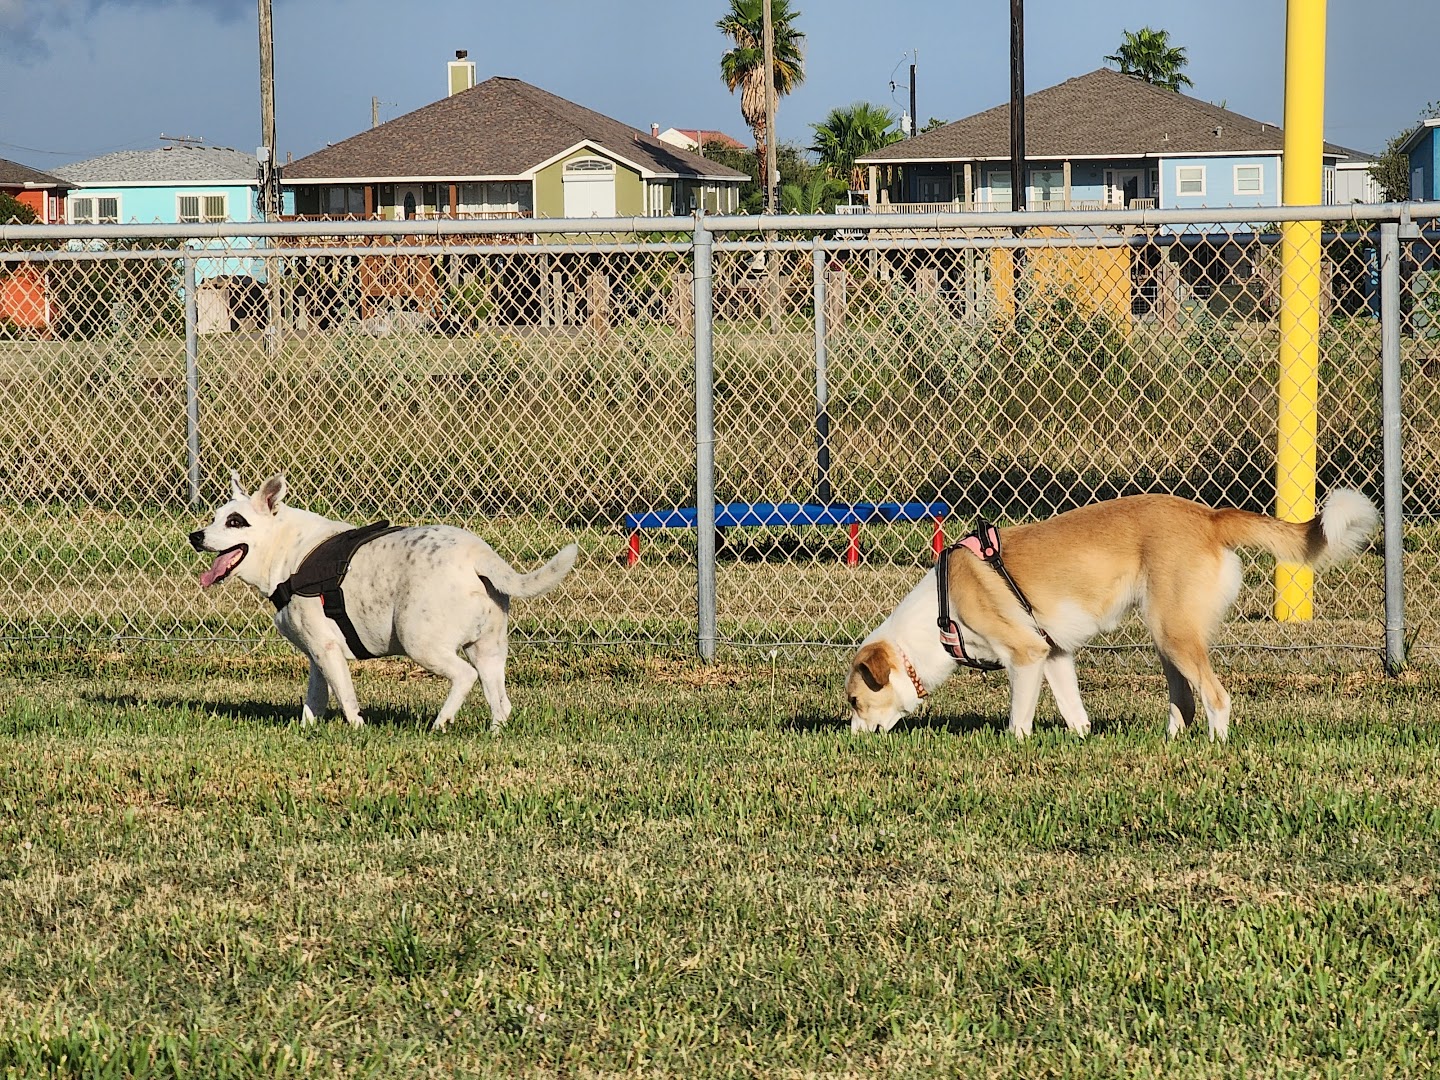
(36, 201)
(22, 299)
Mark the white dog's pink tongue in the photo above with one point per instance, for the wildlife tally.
(223, 564)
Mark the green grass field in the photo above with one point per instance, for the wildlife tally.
(667, 869)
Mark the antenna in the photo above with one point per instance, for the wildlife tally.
(182, 140)
(375, 104)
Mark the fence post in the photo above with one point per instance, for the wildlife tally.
(192, 380)
(822, 389)
(1390, 412)
(704, 441)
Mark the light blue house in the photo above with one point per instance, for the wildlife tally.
(1422, 147)
(183, 183)
(1099, 141)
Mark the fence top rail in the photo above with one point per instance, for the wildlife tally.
(1406, 214)
(428, 227)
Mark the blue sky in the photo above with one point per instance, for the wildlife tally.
(79, 78)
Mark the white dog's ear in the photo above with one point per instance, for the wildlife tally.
(271, 494)
(236, 491)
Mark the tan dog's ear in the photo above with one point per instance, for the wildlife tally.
(873, 662)
(271, 494)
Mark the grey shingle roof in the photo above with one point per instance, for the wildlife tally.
(1102, 114)
(501, 127)
(170, 164)
(15, 175)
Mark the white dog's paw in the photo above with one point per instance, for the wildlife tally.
(357, 721)
(439, 724)
(1082, 729)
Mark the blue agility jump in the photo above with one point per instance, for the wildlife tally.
(753, 515)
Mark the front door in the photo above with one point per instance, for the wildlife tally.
(933, 189)
(409, 201)
(1123, 186)
(589, 185)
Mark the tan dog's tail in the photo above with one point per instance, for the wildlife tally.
(534, 583)
(1343, 526)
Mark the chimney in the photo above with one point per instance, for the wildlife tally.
(655, 130)
(461, 72)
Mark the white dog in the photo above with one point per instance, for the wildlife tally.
(1057, 583)
(425, 592)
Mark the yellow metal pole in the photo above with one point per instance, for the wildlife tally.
(1300, 293)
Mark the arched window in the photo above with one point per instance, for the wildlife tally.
(589, 165)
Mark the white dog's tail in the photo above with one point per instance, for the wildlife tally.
(534, 583)
(1341, 529)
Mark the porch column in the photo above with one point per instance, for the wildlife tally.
(870, 199)
(1066, 167)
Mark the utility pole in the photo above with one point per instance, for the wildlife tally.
(914, 116)
(769, 43)
(269, 167)
(1017, 104)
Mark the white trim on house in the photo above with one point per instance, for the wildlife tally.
(1259, 180)
(1181, 179)
(74, 217)
(205, 211)
(360, 181)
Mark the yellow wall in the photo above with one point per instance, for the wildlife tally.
(1096, 277)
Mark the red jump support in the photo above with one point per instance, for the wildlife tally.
(852, 550)
(937, 542)
(632, 550)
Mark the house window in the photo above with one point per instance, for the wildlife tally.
(344, 201)
(1248, 181)
(198, 209)
(1047, 188)
(496, 197)
(999, 186)
(94, 209)
(590, 165)
(1190, 180)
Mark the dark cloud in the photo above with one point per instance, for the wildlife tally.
(31, 31)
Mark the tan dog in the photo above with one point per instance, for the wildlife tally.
(1082, 571)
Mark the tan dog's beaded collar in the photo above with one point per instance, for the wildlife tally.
(914, 678)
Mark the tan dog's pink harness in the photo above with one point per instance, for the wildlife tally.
(984, 544)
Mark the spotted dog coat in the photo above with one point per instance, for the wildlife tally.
(429, 592)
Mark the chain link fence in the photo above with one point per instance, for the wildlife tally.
(873, 388)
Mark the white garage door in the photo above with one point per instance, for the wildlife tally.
(589, 188)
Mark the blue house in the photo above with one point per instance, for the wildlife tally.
(185, 183)
(1422, 147)
(1099, 141)
(174, 184)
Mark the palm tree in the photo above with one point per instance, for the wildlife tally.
(818, 195)
(744, 65)
(851, 132)
(1149, 55)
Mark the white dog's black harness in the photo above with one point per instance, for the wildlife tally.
(321, 573)
(984, 544)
